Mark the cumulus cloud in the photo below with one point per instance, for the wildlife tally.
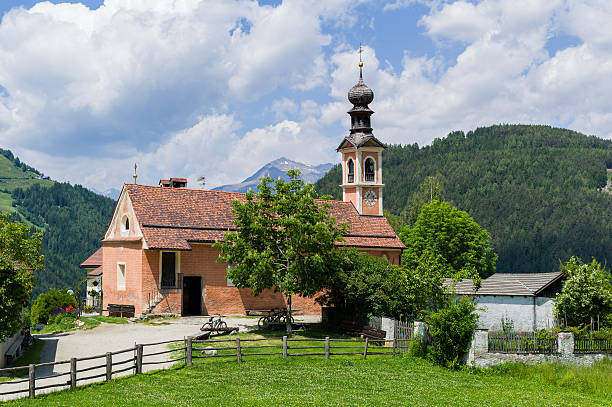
(77, 79)
(160, 83)
(504, 73)
(116, 82)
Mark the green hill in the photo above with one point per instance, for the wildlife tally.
(72, 219)
(534, 188)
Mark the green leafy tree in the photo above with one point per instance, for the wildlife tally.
(364, 286)
(586, 293)
(430, 190)
(20, 258)
(285, 239)
(460, 243)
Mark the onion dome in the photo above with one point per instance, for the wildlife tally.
(360, 94)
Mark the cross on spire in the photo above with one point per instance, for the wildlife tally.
(360, 61)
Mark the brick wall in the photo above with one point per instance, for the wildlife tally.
(143, 275)
(130, 253)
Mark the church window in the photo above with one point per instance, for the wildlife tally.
(370, 165)
(168, 274)
(125, 226)
(350, 171)
(120, 276)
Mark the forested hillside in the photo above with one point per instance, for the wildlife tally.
(534, 188)
(72, 219)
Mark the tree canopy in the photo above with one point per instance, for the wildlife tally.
(284, 239)
(462, 245)
(20, 258)
(586, 293)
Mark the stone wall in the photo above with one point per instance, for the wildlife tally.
(479, 356)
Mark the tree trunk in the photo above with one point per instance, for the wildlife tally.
(288, 317)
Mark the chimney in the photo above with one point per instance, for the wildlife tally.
(164, 182)
(178, 182)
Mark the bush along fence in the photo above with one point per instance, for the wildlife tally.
(491, 348)
(134, 360)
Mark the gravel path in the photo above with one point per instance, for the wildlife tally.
(113, 338)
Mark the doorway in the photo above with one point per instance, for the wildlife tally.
(192, 295)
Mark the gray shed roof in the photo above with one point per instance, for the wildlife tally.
(525, 284)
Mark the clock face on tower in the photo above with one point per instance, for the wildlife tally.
(370, 197)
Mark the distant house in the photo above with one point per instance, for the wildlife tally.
(93, 266)
(524, 300)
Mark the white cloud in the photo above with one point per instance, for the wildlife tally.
(503, 75)
(159, 82)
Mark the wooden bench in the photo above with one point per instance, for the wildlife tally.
(373, 333)
(364, 331)
(121, 310)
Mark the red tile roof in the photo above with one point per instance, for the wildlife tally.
(170, 218)
(93, 261)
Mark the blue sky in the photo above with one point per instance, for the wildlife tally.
(218, 88)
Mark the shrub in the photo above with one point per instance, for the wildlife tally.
(50, 304)
(586, 293)
(451, 329)
(418, 347)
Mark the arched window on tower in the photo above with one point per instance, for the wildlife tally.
(370, 166)
(350, 174)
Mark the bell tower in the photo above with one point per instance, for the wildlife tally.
(362, 154)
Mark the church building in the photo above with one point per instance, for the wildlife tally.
(157, 252)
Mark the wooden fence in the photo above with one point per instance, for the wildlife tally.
(404, 333)
(523, 342)
(190, 349)
(111, 363)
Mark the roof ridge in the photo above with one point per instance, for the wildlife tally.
(524, 286)
(216, 190)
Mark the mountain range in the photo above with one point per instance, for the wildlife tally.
(278, 169)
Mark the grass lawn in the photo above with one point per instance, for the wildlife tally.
(344, 381)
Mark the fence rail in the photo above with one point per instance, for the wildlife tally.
(525, 342)
(587, 344)
(188, 349)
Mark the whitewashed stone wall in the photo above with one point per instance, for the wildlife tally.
(479, 356)
(521, 310)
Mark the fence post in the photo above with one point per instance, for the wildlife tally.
(32, 380)
(73, 373)
(394, 344)
(327, 347)
(109, 366)
(285, 347)
(365, 348)
(188, 351)
(139, 351)
(238, 351)
(565, 343)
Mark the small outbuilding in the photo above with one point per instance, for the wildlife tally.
(524, 301)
